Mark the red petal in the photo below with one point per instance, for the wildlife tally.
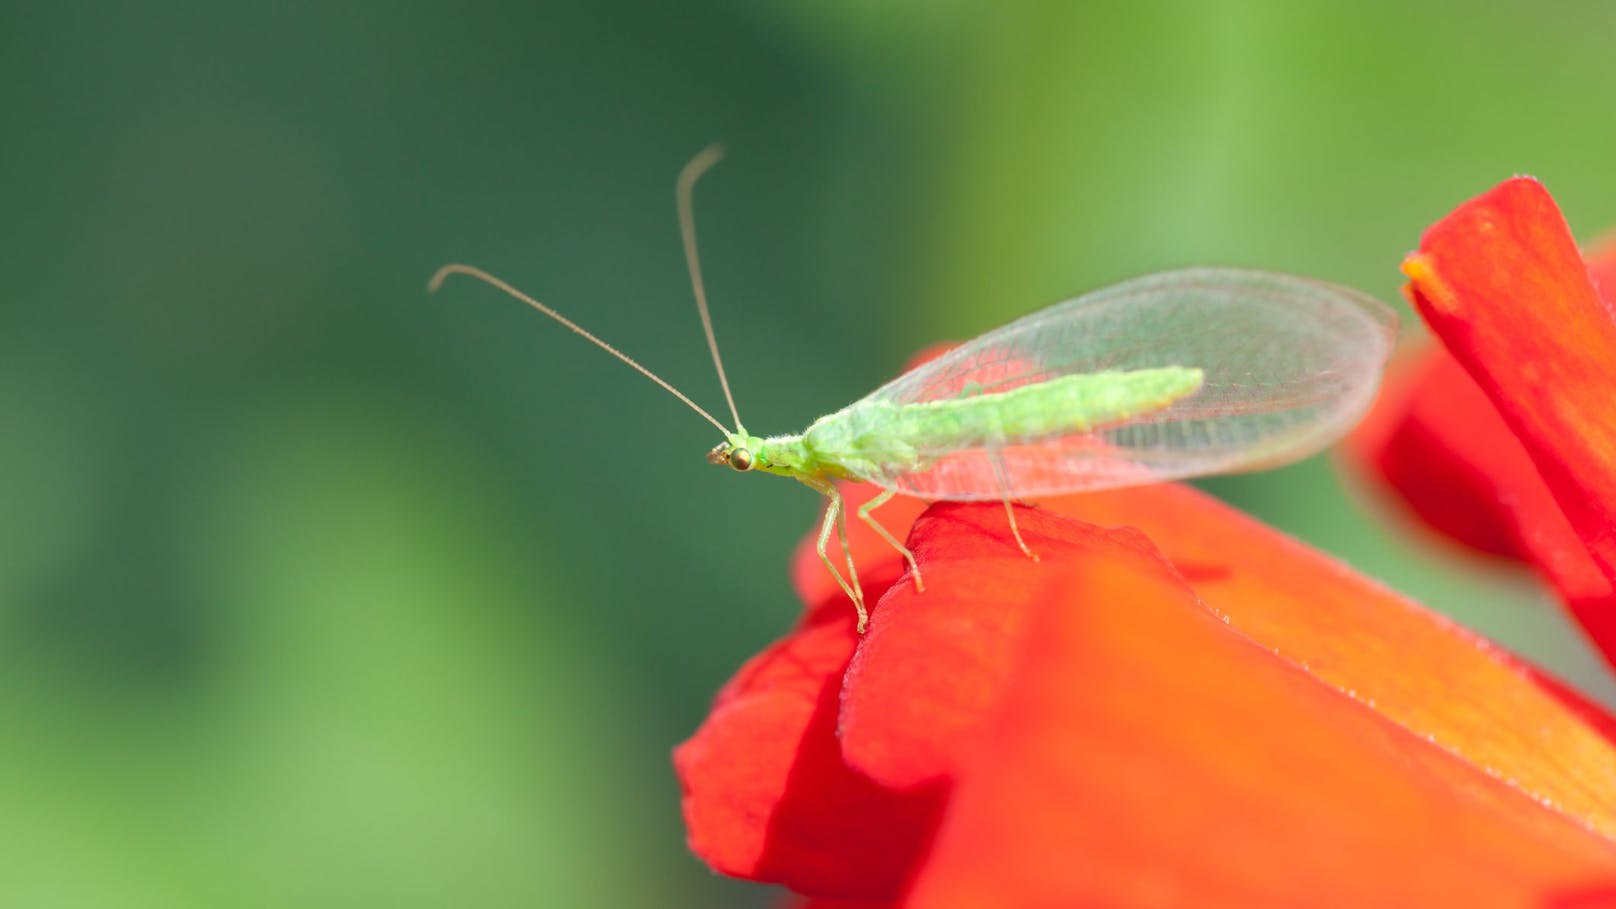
(935, 663)
(1436, 439)
(1146, 755)
(1502, 283)
(767, 795)
(940, 671)
(1416, 668)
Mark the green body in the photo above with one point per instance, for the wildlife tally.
(876, 438)
(1283, 365)
(1073, 397)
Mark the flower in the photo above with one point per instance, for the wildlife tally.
(1505, 440)
(1228, 719)
(1177, 705)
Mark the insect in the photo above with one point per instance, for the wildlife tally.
(1167, 376)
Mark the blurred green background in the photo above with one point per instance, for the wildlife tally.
(316, 591)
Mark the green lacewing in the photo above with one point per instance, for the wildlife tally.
(1167, 376)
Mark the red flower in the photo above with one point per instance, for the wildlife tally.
(1176, 706)
(1507, 443)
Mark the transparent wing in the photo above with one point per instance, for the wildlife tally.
(1290, 364)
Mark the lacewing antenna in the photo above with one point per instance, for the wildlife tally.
(483, 276)
(688, 176)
